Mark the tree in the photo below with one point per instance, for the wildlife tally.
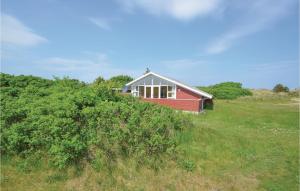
(120, 80)
(280, 88)
(99, 80)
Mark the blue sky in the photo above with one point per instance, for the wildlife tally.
(200, 42)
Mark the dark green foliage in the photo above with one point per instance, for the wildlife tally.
(120, 80)
(280, 88)
(227, 90)
(99, 80)
(70, 121)
(208, 105)
(114, 82)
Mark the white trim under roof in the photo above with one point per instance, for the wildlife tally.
(199, 92)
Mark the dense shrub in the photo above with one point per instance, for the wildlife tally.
(70, 121)
(280, 88)
(99, 80)
(227, 90)
(114, 82)
(120, 80)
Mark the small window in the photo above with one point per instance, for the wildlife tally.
(171, 92)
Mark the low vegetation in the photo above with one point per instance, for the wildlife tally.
(249, 143)
(69, 122)
(226, 90)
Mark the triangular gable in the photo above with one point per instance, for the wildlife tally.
(199, 92)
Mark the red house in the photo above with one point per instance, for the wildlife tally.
(165, 91)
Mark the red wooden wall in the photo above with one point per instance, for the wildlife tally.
(185, 100)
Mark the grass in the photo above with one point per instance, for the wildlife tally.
(250, 143)
(247, 145)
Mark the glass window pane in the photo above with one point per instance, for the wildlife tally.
(141, 91)
(148, 92)
(155, 92)
(170, 88)
(163, 92)
(170, 94)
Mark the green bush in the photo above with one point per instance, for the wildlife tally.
(99, 80)
(120, 80)
(188, 165)
(227, 90)
(70, 121)
(114, 82)
(280, 88)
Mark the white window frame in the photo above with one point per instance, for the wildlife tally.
(151, 92)
(136, 91)
(173, 91)
(139, 90)
(160, 91)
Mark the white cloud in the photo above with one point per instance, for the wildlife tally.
(89, 66)
(256, 16)
(14, 32)
(100, 22)
(179, 9)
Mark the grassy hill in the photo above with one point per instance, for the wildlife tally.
(250, 143)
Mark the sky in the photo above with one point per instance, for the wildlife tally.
(199, 42)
